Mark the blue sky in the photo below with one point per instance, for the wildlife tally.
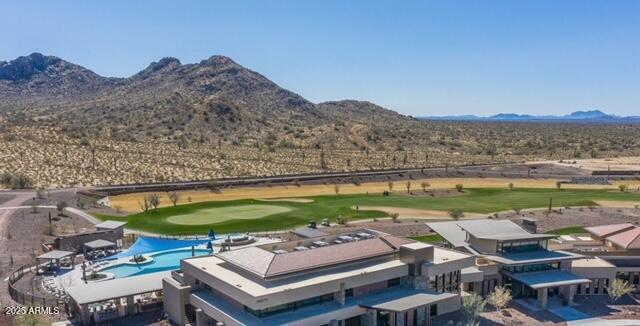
(415, 57)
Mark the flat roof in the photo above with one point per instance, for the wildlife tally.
(455, 232)
(110, 225)
(591, 262)
(450, 231)
(498, 230)
(116, 288)
(527, 236)
(309, 233)
(545, 279)
(99, 243)
(56, 254)
(406, 301)
(265, 263)
(529, 257)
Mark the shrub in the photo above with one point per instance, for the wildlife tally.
(500, 298)
(456, 213)
(60, 206)
(472, 306)
(619, 288)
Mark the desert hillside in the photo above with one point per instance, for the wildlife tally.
(62, 124)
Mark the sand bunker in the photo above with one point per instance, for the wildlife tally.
(617, 204)
(291, 200)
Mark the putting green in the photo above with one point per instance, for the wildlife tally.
(221, 214)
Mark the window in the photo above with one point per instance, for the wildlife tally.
(291, 306)
(433, 310)
(521, 246)
(348, 293)
(412, 269)
(532, 268)
(353, 321)
(446, 282)
(393, 282)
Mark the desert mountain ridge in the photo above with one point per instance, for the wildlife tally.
(213, 98)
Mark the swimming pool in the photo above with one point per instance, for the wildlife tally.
(164, 261)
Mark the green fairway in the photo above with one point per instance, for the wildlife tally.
(253, 215)
(220, 214)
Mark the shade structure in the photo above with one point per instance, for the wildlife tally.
(145, 245)
(55, 255)
(99, 244)
(539, 280)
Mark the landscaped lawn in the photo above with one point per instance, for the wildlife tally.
(569, 230)
(293, 214)
(432, 238)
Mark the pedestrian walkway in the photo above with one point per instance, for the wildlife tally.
(603, 322)
(568, 313)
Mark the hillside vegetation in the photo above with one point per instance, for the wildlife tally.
(61, 124)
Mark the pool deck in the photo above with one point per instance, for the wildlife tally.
(73, 278)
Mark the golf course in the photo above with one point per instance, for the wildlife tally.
(247, 215)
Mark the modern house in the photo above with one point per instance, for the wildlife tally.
(361, 278)
(508, 255)
(617, 244)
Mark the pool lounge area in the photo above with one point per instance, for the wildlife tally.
(156, 262)
(129, 287)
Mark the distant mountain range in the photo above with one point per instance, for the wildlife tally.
(578, 116)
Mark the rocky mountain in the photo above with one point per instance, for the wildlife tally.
(37, 76)
(215, 98)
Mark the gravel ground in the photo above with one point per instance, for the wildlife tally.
(22, 231)
(566, 217)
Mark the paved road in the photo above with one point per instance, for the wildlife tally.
(70, 210)
(7, 208)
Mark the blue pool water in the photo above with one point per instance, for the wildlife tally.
(165, 261)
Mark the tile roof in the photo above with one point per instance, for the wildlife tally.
(604, 231)
(629, 239)
(267, 264)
